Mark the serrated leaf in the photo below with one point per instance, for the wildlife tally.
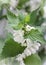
(35, 35)
(2, 43)
(33, 60)
(12, 48)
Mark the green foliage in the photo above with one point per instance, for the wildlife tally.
(11, 17)
(35, 35)
(33, 17)
(11, 48)
(33, 60)
(16, 22)
(36, 17)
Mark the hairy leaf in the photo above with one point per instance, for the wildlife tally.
(12, 48)
(35, 35)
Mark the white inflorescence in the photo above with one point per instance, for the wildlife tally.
(18, 36)
(31, 47)
(28, 28)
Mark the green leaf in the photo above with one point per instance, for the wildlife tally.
(11, 16)
(12, 19)
(21, 16)
(35, 35)
(39, 18)
(2, 43)
(36, 17)
(33, 17)
(33, 60)
(3, 16)
(12, 48)
(16, 22)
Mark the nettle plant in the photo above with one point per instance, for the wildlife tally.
(24, 39)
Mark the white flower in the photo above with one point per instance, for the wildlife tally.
(28, 28)
(20, 59)
(38, 44)
(22, 63)
(27, 52)
(36, 47)
(29, 42)
(23, 55)
(32, 50)
(24, 44)
(18, 36)
(31, 47)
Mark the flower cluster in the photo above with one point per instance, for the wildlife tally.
(29, 28)
(18, 36)
(31, 47)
